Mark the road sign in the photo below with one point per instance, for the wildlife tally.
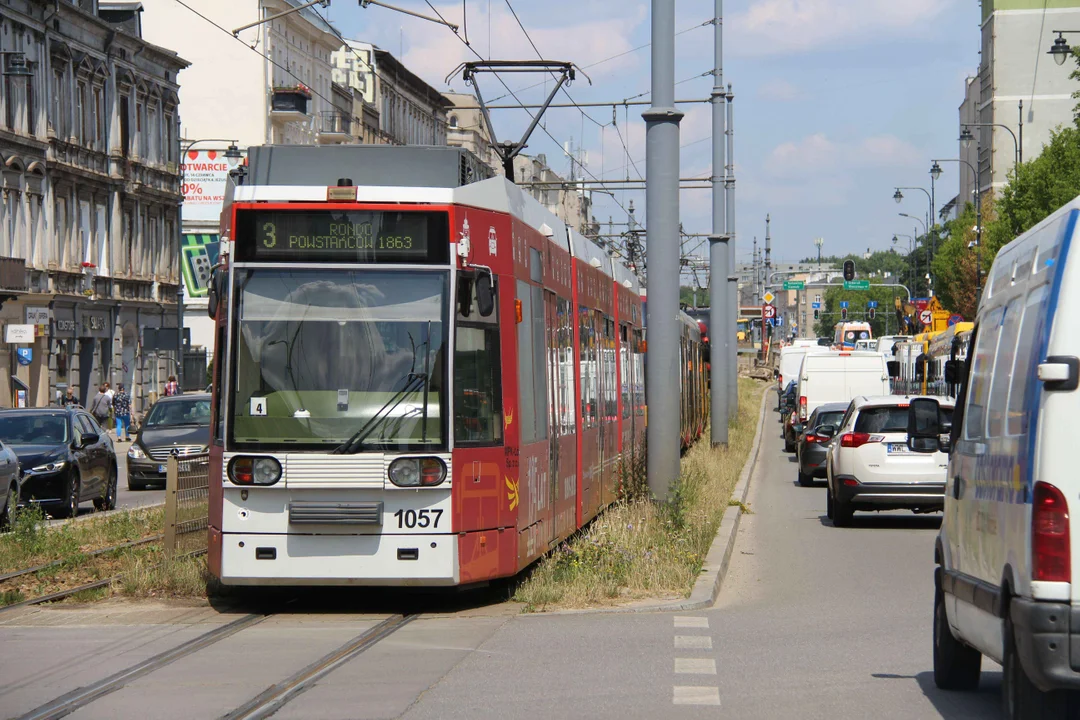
(780, 320)
(926, 317)
(872, 304)
(769, 297)
(768, 312)
(856, 284)
(844, 304)
(794, 285)
(953, 319)
(816, 306)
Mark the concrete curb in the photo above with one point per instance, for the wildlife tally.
(707, 587)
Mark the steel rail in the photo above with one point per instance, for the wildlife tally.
(272, 699)
(80, 697)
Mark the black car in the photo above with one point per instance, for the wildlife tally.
(66, 458)
(177, 424)
(787, 401)
(814, 442)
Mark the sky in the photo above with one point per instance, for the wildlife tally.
(837, 102)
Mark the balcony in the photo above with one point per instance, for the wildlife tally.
(13, 274)
(289, 104)
(334, 127)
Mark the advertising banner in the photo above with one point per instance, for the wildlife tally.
(204, 174)
(200, 254)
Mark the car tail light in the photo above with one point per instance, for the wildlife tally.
(850, 482)
(816, 438)
(854, 440)
(802, 407)
(1050, 557)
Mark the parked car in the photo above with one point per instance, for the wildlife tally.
(66, 458)
(786, 402)
(1007, 583)
(813, 444)
(872, 466)
(10, 482)
(793, 427)
(177, 424)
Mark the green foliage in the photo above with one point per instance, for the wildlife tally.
(954, 264)
(687, 294)
(884, 322)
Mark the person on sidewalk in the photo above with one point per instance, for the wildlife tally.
(99, 407)
(122, 411)
(172, 387)
(68, 398)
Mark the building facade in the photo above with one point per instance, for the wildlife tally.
(89, 216)
(567, 199)
(1015, 67)
(467, 128)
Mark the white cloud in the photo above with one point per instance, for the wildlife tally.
(815, 155)
(780, 91)
(777, 27)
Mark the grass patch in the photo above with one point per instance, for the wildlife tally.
(181, 577)
(638, 548)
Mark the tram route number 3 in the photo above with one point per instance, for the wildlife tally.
(418, 518)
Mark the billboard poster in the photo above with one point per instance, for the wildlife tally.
(200, 254)
(204, 174)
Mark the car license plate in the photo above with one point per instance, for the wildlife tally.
(898, 448)
(162, 468)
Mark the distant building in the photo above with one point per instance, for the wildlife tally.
(91, 192)
(1014, 66)
(969, 113)
(467, 128)
(570, 201)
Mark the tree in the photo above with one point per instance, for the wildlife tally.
(954, 264)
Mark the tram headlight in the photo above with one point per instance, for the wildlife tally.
(254, 470)
(417, 472)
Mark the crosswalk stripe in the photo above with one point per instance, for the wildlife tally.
(696, 695)
(693, 642)
(691, 622)
(695, 666)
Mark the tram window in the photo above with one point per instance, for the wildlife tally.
(589, 368)
(624, 368)
(219, 370)
(477, 387)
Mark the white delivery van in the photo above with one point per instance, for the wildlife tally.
(885, 344)
(839, 377)
(791, 360)
(1007, 582)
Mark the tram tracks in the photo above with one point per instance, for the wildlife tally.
(263, 705)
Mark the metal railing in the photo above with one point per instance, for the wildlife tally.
(333, 122)
(187, 490)
(13, 273)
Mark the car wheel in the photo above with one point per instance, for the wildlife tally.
(107, 501)
(842, 513)
(71, 504)
(789, 447)
(828, 504)
(7, 520)
(1019, 696)
(956, 665)
(805, 480)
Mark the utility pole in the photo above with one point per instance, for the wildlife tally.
(662, 240)
(768, 247)
(756, 274)
(718, 250)
(733, 278)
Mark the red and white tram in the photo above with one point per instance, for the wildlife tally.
(418, 379)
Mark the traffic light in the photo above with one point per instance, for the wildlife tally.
(843, 313)
(849, 270)
(817, 314)
(872, 313)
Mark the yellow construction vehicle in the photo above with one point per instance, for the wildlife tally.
(907, 314)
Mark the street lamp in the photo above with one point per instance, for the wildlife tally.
(935, 171)
(1060, 50)
(931, 229)
(978, 220)
(966, 137)
(232, 152)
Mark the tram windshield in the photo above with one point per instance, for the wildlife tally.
(323, 354)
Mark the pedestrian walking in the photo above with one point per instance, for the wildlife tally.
(122, 411)
(172, 387)
(68, 398)
(99, 406)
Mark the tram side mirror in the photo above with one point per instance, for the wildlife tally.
(485, 295)
(894, 368)
(952, 372)
(924, 425)
(215, 292)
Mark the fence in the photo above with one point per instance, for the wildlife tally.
(187, 484)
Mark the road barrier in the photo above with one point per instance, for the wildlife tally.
(187, 485)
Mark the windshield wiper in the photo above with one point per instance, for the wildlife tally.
(352, 446)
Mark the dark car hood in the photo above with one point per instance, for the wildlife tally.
(151, 437)
(34, 455)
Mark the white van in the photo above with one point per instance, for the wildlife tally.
(886, 343)
(791, 360)
(839, 377)
(1007, 583)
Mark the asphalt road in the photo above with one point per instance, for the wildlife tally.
(813, 622)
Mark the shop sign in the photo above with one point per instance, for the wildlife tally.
(19, 334)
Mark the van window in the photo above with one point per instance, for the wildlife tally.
(1002, 276)
(1030, 328)
(1003, 365)
(978, 391)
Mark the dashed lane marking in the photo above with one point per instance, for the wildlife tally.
(695, 666)
(693, 642)
(696, 695)
(691, 622)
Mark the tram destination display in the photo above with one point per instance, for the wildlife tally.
(350, 236)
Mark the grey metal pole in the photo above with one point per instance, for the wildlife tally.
(718, 251)
(662, 238)
(733, 278)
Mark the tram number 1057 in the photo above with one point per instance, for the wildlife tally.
(418, 518)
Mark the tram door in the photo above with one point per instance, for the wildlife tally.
(562, 440)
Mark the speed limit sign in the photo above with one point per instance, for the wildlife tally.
(926, 317)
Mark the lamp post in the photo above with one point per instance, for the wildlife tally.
(1060, 50)
(932, 229)
(231, 153)
(911, 249)
(966, 137)
(915, 249)
(978, 220)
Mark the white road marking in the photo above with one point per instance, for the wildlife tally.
(695, 666)
(691, 622)
(693, 642)
(696, 695)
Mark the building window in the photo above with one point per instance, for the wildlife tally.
(80, 115)
(99, 118)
